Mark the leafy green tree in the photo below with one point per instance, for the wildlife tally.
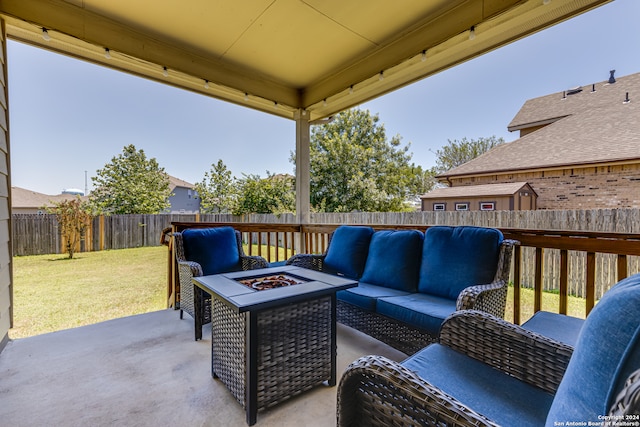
(458, 152)
(217, 190)
(131, 184)
(74, 217)
(354, 167)
(274, 194)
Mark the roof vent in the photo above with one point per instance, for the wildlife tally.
(612, 79)
(574, 90)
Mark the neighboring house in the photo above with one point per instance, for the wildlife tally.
(578, 149)
(25, 201)
(486, 197)
(185, 199)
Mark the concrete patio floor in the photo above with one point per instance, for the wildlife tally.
(145, 370)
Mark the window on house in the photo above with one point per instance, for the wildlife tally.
(487, 206)
(439, 207)
(462, 206)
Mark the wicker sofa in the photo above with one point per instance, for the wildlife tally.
(486, 371)
(204, 251)
(410, 281)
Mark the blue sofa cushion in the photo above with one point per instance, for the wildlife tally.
(454, 258)
(419, 310)
(556, 326)
(607, 351)
(348, 251)
(215, 249)
(365, 295)
(394, 259)
(498, 396)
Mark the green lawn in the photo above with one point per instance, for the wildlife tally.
(52, 292)
(550, 302)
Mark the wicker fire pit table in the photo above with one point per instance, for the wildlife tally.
(273, 332)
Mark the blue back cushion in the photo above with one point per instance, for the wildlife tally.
(607, 351)
(394, 259)
(348, 251)
(454, 258)
(215, 249)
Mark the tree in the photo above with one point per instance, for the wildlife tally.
(73, 219)
(274, 194)
(458, 152)
(217, 190)
(131, 184)
(355, 168)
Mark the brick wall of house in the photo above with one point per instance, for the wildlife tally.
(614, 186)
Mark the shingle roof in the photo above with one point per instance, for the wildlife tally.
(482, 190)
(586, 128)
(23, 198)
(177, 182)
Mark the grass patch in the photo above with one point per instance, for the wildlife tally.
(550, 302)
(264, 251)
(52, 292)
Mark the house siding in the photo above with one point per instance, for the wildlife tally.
(603, 187)
(184, 200)
(6, 273)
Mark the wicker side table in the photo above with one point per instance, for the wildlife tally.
(269, 346)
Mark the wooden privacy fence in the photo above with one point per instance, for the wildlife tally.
(35, 234)
(38, 234)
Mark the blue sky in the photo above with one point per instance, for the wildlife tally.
(68, 116)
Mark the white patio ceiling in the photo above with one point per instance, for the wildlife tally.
(318, 57)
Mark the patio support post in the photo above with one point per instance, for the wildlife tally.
(303, 204)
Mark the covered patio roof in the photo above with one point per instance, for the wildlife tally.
(284, 57)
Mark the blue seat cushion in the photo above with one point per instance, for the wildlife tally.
(423, 311)
(365, 295)
(215, 249)
(555, 326)
(394, 259)
(454, 258)
(277, 263)
(348, 251)
(494, 394)
(606, 353)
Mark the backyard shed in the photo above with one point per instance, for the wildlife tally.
(514, 196)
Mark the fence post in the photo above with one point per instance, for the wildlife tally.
(101, 232)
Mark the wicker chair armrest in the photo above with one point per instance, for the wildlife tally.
(376, 391)
(490, 298)
(310, 261)
(525, 355)
(628, 400)
(189, 269)
(251, 262)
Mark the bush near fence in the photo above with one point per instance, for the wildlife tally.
(38, 234)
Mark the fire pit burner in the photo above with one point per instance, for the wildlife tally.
(270, 282)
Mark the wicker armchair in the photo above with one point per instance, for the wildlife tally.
(194, 300)
(486, 372)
